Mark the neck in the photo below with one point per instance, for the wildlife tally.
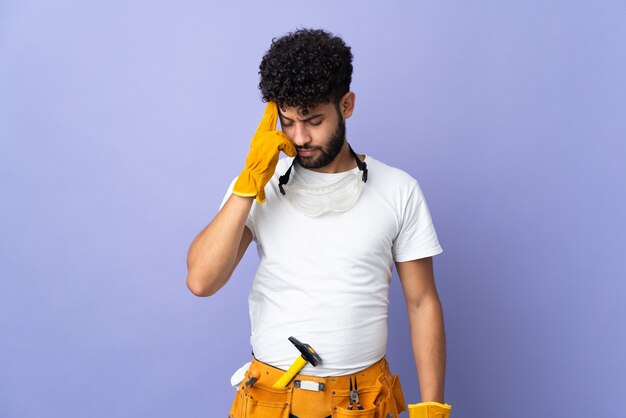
(344, 161)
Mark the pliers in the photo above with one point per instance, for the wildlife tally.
(354, 396)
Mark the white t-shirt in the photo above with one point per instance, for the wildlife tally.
(325, 280)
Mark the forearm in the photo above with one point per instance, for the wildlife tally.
(429, 348)
(213, 253)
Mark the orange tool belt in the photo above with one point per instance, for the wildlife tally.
(380, 394)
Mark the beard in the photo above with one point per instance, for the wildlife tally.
(328, 152)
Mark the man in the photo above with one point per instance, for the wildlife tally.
(329, 225)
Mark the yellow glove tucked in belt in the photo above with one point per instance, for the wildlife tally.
(262, 158)
(429, 410)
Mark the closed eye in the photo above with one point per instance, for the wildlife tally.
(313, 122)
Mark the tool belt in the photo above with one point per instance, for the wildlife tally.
(380, 394)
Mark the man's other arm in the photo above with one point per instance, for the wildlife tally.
(216, 251)
(427, 328)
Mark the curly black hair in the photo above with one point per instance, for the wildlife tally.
(305, 68)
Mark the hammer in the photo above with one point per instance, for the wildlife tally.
(308, 356)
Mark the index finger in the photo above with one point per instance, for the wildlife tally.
(270, 117)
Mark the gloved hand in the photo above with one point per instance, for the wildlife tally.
(262, 158)
(429, 410)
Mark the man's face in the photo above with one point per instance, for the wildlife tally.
(318, 133)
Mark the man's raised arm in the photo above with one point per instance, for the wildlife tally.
(216, 251)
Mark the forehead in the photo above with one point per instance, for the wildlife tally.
(300, 112)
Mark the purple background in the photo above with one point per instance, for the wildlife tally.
(122, 123)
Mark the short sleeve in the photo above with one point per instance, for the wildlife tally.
(417, 237)
(249, 220)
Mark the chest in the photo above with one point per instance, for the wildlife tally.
(365, 231)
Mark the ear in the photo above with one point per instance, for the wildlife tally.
(346, 104)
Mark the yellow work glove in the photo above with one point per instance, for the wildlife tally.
(265, 147)
(429, 410)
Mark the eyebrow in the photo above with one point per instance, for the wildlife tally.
(303, 120)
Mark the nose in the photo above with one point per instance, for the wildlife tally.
(300, 135)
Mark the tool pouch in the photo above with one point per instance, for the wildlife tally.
(382, 400)
(261, 401)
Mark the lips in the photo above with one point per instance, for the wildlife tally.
(306, 152)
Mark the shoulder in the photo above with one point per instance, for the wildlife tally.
(390, 177)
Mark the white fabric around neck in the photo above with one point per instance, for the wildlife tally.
(314, 194)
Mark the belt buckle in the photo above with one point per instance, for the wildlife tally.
(309, 385)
